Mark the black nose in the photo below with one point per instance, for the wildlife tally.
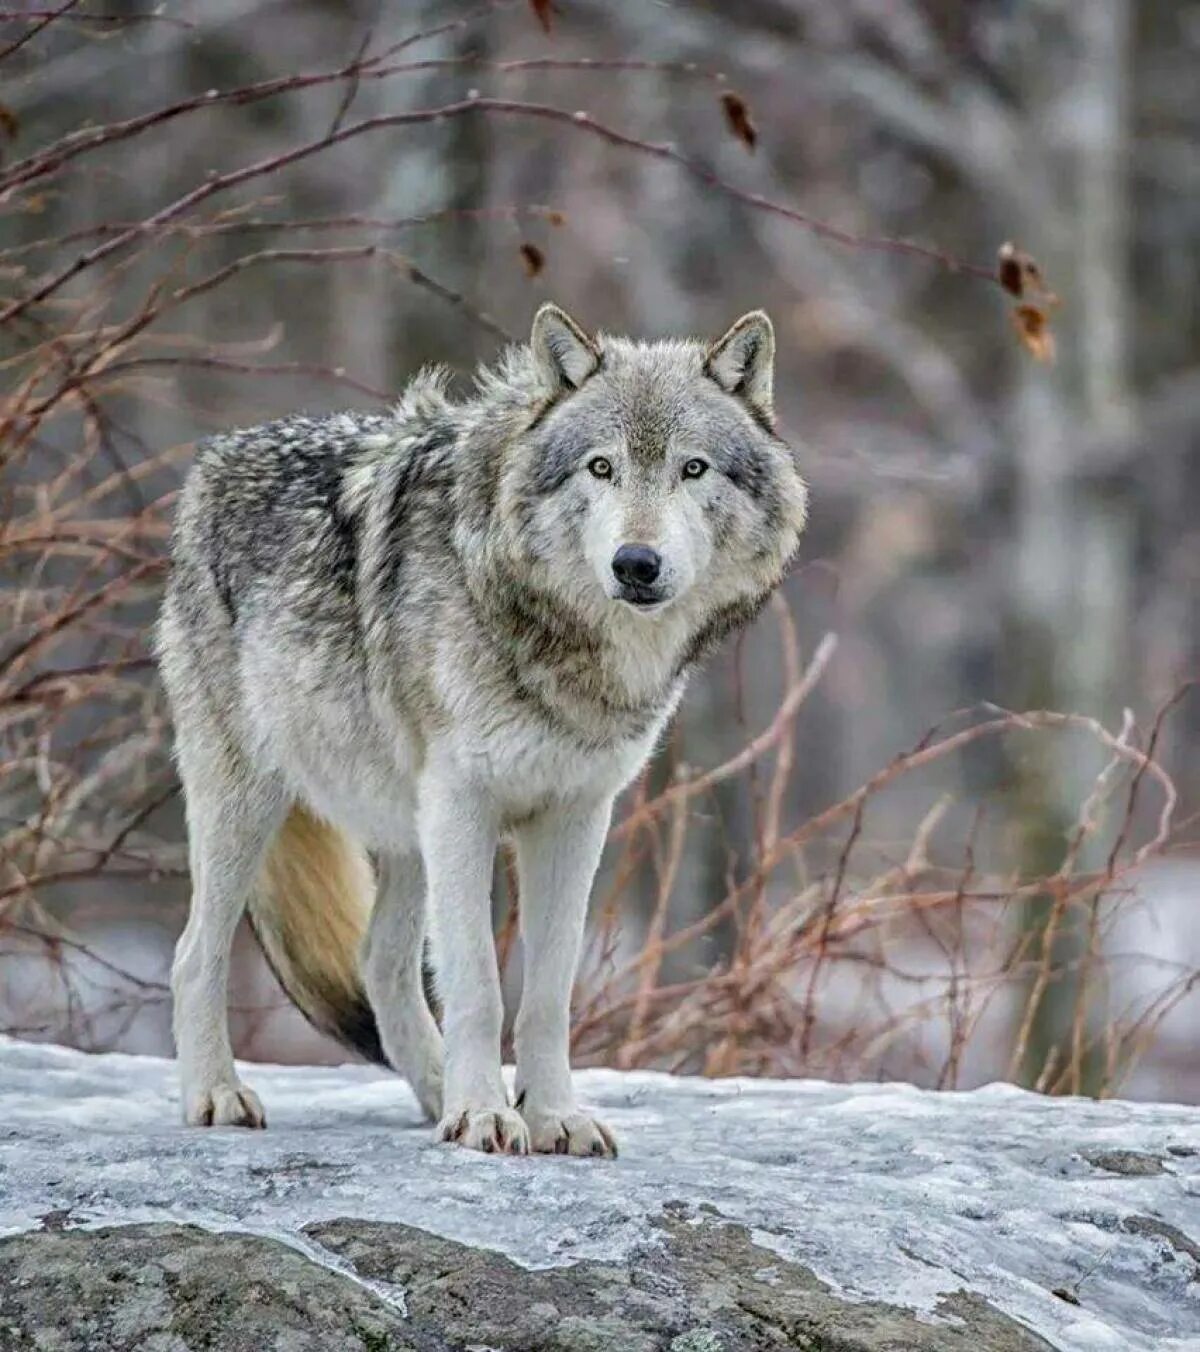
(636, 565)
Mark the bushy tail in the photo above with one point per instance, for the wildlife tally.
(310, 912)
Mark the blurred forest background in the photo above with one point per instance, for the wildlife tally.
(854, 858)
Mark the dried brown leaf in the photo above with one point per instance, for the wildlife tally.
(533, 259)
(10, 123)
(1010, 272)
(1033, 328)
(1019, 275)
(738, 119)
(543, 11)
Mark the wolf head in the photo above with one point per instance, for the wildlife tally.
(652, 479)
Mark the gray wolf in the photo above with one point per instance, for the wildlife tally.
(390, 641)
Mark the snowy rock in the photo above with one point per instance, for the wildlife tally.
(741, 1215)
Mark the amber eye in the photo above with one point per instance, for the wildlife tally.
(600, 467)
(694, 468)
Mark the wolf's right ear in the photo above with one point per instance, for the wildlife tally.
(565, 355)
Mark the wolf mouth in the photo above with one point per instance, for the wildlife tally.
(645, 599)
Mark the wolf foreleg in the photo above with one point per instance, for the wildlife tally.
(557, 856)
(457, 829)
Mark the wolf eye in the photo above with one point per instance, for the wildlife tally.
(694, 468)
(600, 467)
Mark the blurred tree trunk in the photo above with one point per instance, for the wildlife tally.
(1074, 537)
(448, 168)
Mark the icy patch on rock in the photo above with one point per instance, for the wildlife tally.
(884, 1191)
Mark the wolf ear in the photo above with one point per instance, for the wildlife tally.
(742, 362)
(564, 353)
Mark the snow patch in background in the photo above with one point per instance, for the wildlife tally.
(885, 1191)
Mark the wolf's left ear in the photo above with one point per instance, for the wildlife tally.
(742, 362)
(564, 353)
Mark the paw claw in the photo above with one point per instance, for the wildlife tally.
(569, 1132)
(225, 1105)
(493, 1131)
(452, 1128)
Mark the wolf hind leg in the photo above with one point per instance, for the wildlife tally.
(391, 967)
(231, 820)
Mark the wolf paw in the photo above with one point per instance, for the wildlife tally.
(569, 1132)
(224, 1105)
(495, 1131)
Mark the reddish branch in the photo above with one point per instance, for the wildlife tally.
(474, 107)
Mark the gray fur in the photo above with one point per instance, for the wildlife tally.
(380, 617)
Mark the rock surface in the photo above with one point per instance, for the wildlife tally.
(741, 1215)
(702, 1287)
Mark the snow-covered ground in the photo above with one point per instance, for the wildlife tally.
(884, 1191)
